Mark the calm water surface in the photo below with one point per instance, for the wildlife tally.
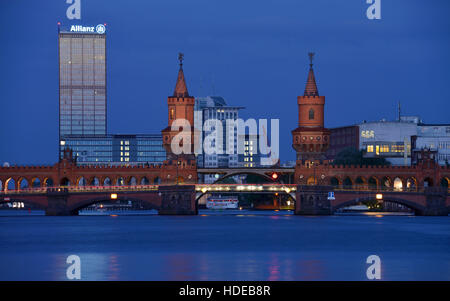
(219, 246)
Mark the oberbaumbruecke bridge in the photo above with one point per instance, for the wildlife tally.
(183, 199)
(173, 187)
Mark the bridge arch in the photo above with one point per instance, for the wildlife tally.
(120, 181)
(106, 181)
(10, 184)
(200, 194)
(94, 181)
(79, 205)
(347, 183)
(65, 182)
(131, 181)
(397, 183)
(418, 209)
(144, 181)
(81, 181)
(386, 182)
(232, 174)
(360, 182)
(411, 183)
(373, 182)
(48, 182)
(23, 183)
(36, 182)
(334, 181)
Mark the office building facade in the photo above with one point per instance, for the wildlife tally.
(82, 81)
(116, 149)
(206, 111)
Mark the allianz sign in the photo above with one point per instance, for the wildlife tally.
(100, 28)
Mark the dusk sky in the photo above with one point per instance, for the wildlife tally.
(253, 53)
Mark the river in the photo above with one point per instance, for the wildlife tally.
(247, 245)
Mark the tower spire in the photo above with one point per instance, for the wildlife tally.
(180, 87)
(311, 87)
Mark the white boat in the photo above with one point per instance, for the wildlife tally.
(222, 202)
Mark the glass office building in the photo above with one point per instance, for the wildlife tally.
(82, 82)
(115, 149)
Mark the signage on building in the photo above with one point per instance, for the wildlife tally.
(367, 134)
(100, 29)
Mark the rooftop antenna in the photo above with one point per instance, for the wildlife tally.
(399, 110)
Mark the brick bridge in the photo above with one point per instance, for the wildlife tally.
(183, 199)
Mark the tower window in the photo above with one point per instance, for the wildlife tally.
(311, 114)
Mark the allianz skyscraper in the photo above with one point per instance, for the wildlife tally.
(83, 103)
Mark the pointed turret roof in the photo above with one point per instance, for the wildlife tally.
(180, 87)
(311, 87)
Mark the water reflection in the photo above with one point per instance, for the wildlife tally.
(225, 247)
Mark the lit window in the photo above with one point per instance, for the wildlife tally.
(370, 148)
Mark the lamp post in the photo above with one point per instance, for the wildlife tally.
(178, 163)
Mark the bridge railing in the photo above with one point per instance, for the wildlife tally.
(40, 190)
(267, 187)
(275, 187)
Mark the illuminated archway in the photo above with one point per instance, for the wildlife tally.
(48, 182)
(10, 184)
(411, 183)
(445, 182)
(311, 181)
(398, 184)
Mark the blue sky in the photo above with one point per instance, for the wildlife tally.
(253, 53)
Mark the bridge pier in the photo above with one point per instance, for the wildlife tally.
(313, 200)
(178, 200)
(435, 202)
(57, 202)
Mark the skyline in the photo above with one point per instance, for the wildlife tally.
(245, 74)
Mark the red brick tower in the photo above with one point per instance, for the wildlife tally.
(179, 168)
(311, 138)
